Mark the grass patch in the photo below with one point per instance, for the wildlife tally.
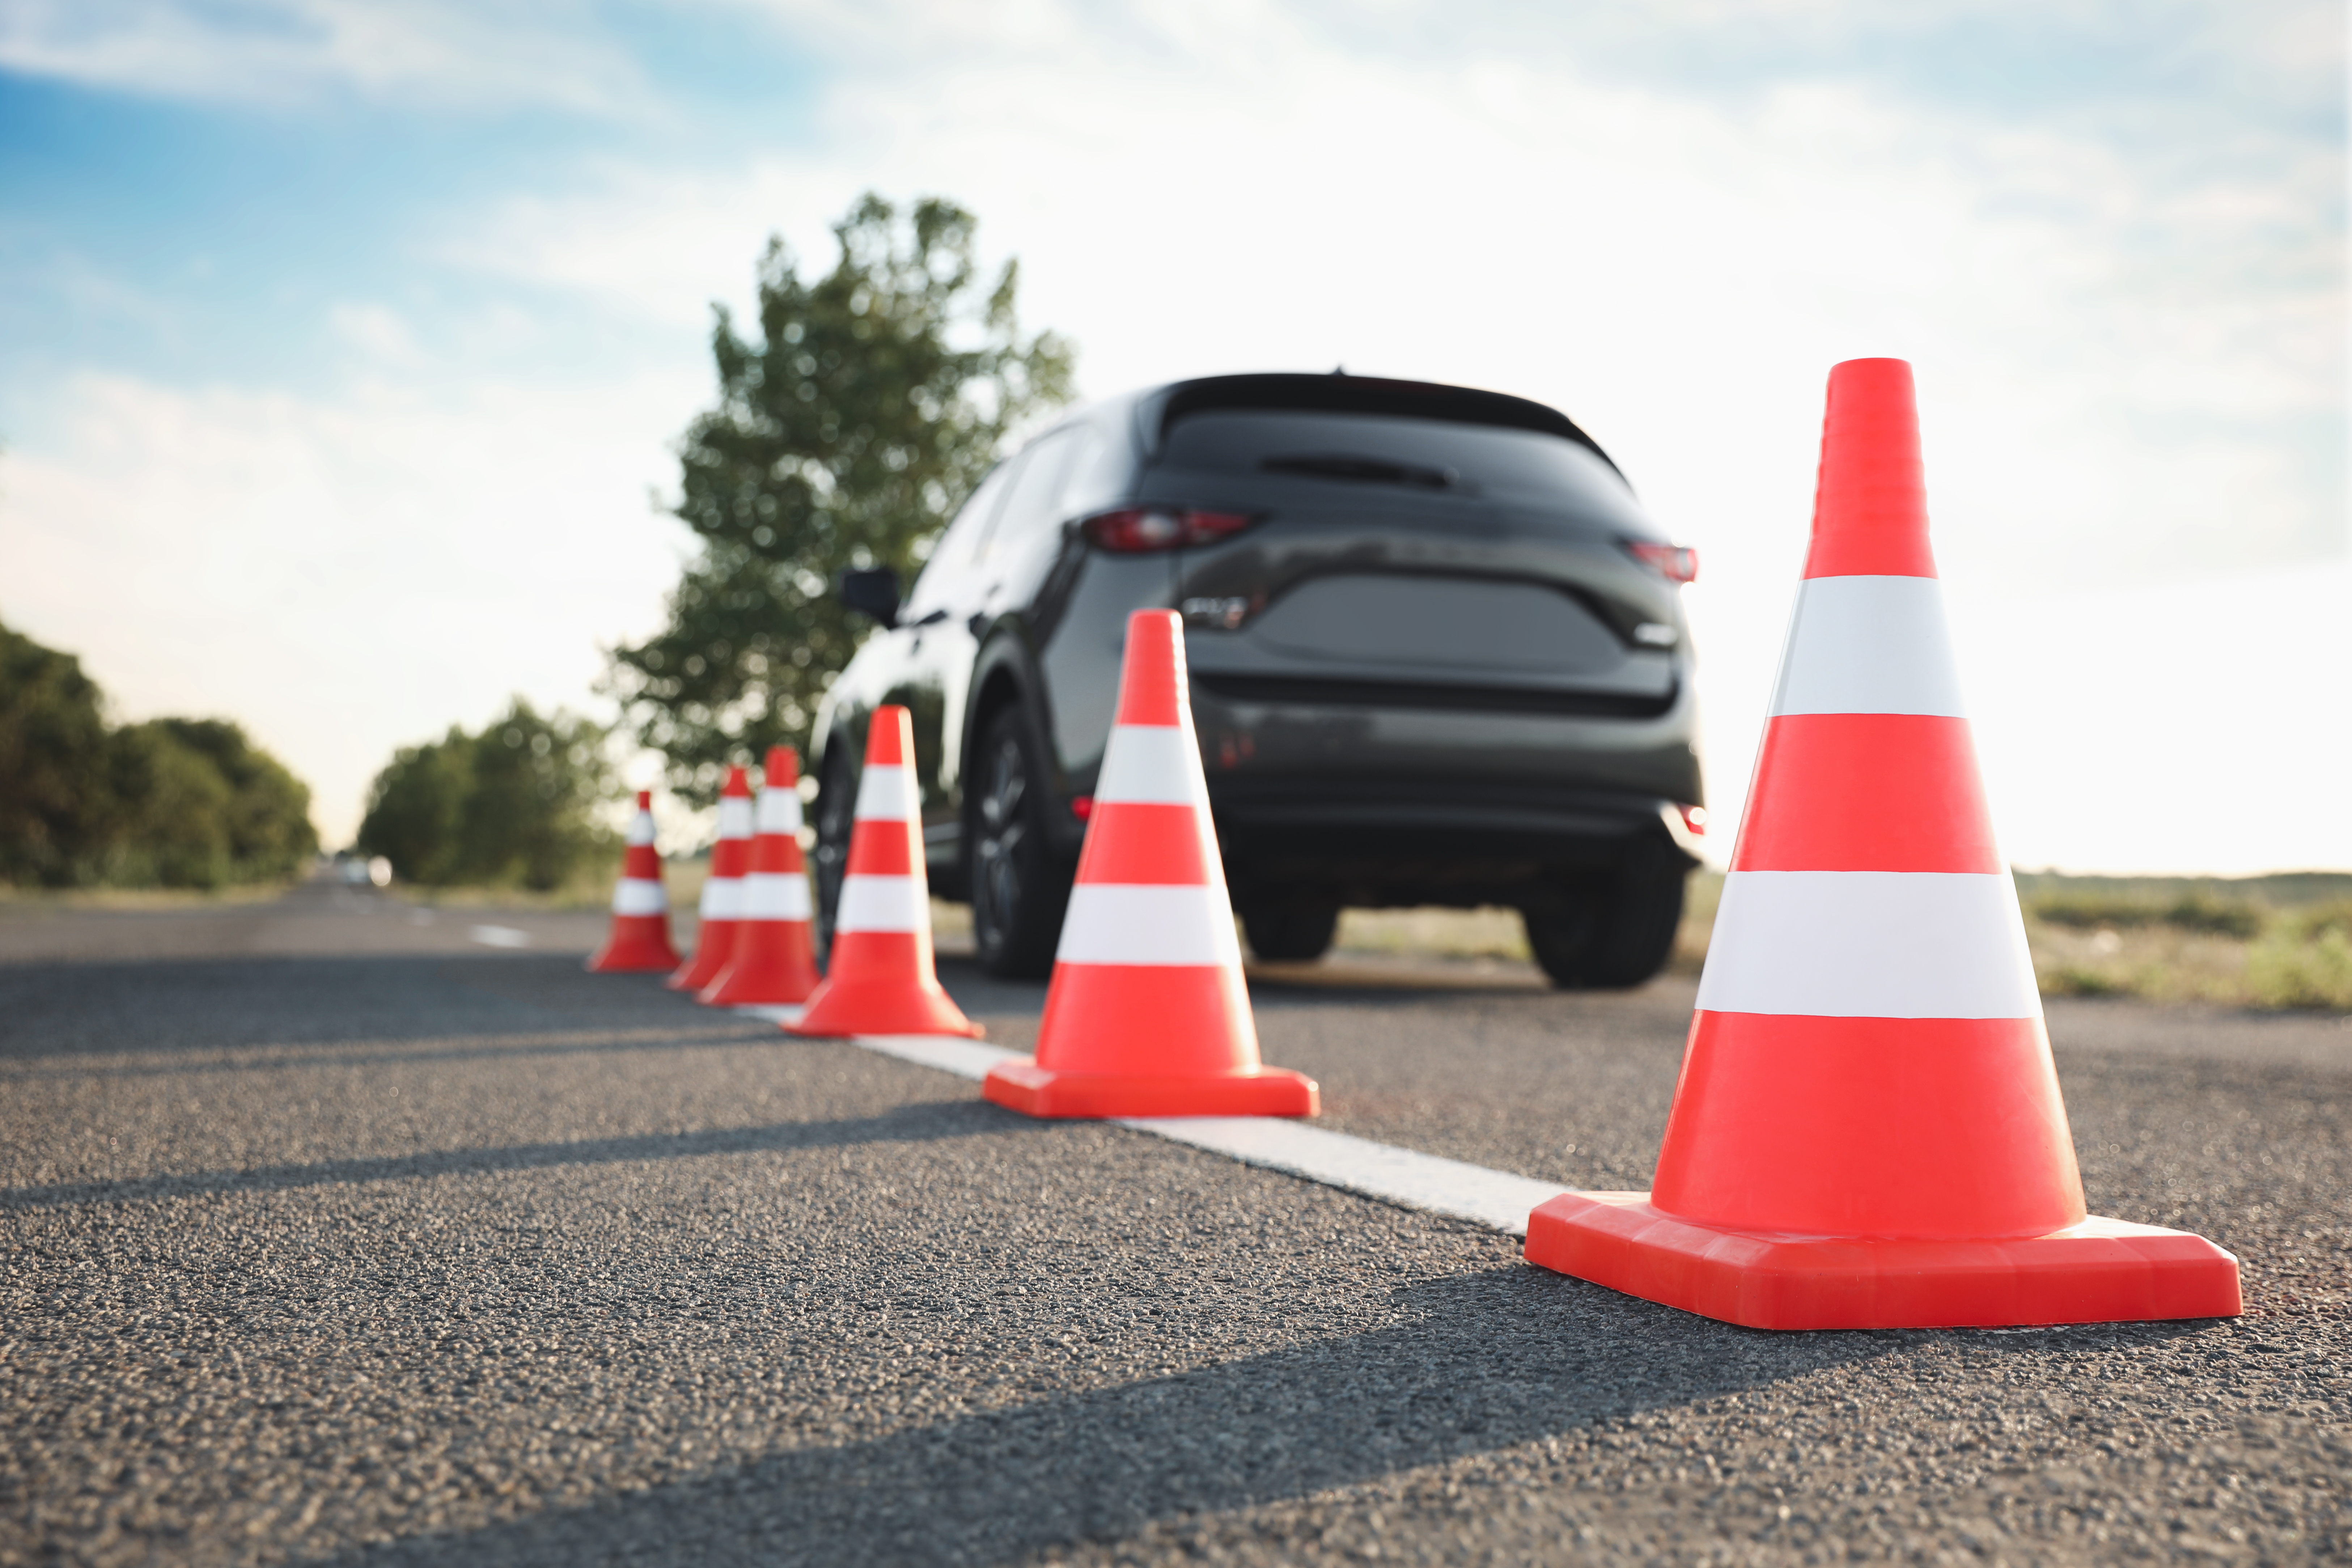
(32, 900)
(2196, 943)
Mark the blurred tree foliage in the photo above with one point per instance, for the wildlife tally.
(871, 404)
(174, 802)
(514, 804)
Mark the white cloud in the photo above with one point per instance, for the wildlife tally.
(428, 52)
(343, 575)
(378, 331)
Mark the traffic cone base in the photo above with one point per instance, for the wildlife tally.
(885, 987)
(1021, 1084)
(774, 963)
(637, 944)
(1178, 1018)
(2093, 1271)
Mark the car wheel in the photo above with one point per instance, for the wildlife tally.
(836, 815)
(1618, 934)
(1019, 888)
(1291, 934)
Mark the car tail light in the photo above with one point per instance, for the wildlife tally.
(1695, 818)
(1082, 806)
(1677, 562)
(1131, 530)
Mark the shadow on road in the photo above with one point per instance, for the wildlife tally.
(1491, 1359)
(906, 1124)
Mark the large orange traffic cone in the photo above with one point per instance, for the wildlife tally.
(1867, 1132)
(773, 960)
(640, 939)
(722, 891)
(881, 980)
(1147, 1015)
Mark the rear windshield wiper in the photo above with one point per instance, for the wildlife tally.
(1363, 470)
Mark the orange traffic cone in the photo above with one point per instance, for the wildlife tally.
(1867, 1131)
(640, 934)
(1147, 1015)
(774, 961)
(722, 891)
(881, 980)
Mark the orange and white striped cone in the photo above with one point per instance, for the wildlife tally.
(881, 979)
(1867, 1131)
(1147, 1013)
(722, 891)
(639, 939)
(774, 962)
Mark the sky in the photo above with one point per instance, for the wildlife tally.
(345, 345)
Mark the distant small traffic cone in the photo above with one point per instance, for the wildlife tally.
(722, 889)
(1867, 1131)
(774, 961)
(1147, 1013)
(639, 939)
(881, 979)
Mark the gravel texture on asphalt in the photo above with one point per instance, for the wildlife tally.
(332, 1234)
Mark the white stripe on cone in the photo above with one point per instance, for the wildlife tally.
(734, 816)
(723, 897)
(886, 793)
(881, 903)
(1152, 765)
(779, 812)
(632, 897)
(1870, 944)
(641, 827)
(1119, 922)
(1869, 645)
(775, 896)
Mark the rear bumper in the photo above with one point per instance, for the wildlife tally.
(1388, 845)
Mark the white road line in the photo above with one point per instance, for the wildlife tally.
(498, 936)
(1405, 1177)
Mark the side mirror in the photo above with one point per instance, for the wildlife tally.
(872, 590)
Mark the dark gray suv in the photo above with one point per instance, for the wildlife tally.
(1437, 658)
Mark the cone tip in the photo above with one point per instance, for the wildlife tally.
(738, 782)
(888, 737)
(784, 767)
(1152, 688)
(644, 800)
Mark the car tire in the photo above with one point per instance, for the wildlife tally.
(1020, 888)
(1618, 933)
(1291, 934)
(837, 817)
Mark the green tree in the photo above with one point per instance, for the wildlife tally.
(871, 403)
(514, 804)
(52, 801)
(183, 803)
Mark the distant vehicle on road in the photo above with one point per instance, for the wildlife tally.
(1437, 656)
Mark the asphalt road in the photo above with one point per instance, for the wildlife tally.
(332, 1234)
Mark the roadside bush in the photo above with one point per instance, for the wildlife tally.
(2305, 960)
(511, 806)
(2193, 911)
(174, 802)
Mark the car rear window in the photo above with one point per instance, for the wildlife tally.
(1437, 457)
